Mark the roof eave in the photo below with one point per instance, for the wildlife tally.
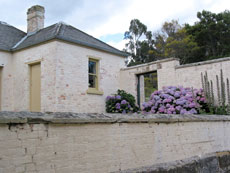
(5, 50)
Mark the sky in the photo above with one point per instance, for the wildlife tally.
(108, 20)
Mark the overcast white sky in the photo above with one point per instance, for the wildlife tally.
(109, 19)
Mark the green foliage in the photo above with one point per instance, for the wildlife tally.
(122, 102)
(220, 107)
(182, 46)
(150, 84)
(208, 38)
(128, 97)
(171, 41)
(212, 34)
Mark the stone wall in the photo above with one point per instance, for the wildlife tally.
(72, 78)
(166, 74)
(68, 142)
(46, 54)
(170, 72)
(7, 79)
(64, 78)
(190, 74)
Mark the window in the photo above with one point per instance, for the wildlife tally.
(93, 75)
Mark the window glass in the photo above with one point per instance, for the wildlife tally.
(93, 78)
(92, 67)
(92, 81)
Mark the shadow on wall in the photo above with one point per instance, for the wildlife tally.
(212, 163)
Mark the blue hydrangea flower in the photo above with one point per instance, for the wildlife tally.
(118, 106)
(118, 97)
(108, 98)
(123, 102)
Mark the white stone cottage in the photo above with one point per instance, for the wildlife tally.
(62, 69)
(57, 68)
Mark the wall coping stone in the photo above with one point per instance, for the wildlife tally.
(150, 63)
(94, 118)
(178, 66)
(203, 62)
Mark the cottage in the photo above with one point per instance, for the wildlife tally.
(58, 68)
(62, 69)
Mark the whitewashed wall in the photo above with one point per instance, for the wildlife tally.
(170, 72)
(21, 74)
(64, 78)
(85, 143)
(7, 82)
(190, 74)
(72, 78)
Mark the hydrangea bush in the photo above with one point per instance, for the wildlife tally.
(176, 100)
(122, 102)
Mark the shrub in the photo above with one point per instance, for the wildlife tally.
(122, 102)
(176, 100)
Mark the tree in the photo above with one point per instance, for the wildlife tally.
(173, 41)
(212, 34)
(136, 30)
(170, 41)
(169, 29)
(181, 45)
(140, 45)
(207, 39)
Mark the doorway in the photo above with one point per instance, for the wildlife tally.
(147, 84)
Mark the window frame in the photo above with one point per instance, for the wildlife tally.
(95, 90)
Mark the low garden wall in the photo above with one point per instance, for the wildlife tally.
(69, 142)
